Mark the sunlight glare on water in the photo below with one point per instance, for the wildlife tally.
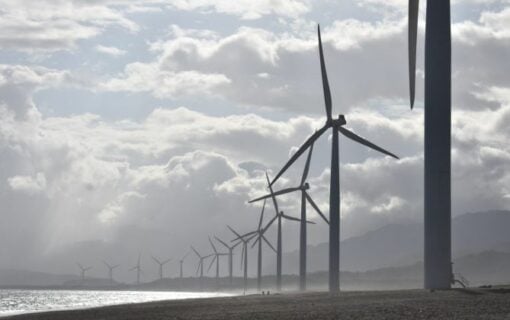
(26, 301)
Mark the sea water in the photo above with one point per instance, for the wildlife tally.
(28, 301)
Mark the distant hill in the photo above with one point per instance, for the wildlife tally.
(399, 245)
(20, 278)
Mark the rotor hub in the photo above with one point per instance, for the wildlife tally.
(340, 121)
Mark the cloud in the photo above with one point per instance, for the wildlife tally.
(112, 51)
(19, 82)
(246, 9)
(56, 25)
(28, 184)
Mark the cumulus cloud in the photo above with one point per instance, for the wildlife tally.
(246, 9)
(19, 82)
(28, 184)
(55, 25)
(113, 51)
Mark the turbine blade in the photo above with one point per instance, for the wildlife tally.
(255, 242)
(300, 151)
(294, 219)
(212, 244)
(307, 165)
(325, 83)
(242, 256)
(167, 261)
(275, 202)
(196, 252)
(198, 267)
(414, 6)
(236, 244)
(156, 260)
(316, 207)
(233, 231)
(277, 193)
(212, 262)
(262, 215)
(220, 241)
(268, 243)
(269, 224)
(351, 135)
(244, 235)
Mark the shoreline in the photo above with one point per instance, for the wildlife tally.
(490, 303)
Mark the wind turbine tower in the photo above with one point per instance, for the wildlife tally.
(83, 270)
(438, 113)
(160, 264)
(110, 270)
(138, 269)
(230, 257)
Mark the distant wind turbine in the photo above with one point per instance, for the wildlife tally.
(230, 256)
(279, 216)
(336, 126)
(244, 254)
(138, 269)
(200, 267)
(259, 235)
(216, 258)
(83, 270)
(181, 262)
(160, 265)
(110, 270)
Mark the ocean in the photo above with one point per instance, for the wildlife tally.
(28, 301)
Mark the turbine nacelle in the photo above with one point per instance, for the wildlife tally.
(337, 122)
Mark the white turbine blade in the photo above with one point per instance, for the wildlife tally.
(211, 264)
(196, 252)
(300, 151)
(325, 82)
(307, 165)
(268, 243)
(254, 243)
(414, 6)
(212, 245)
(220, 241)
(262, 215)
(316, 207)
(351, 135)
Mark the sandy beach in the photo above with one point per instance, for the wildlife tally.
(404, 304)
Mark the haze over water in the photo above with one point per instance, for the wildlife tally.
(27, 301)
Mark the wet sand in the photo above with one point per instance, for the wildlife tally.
(403, 304)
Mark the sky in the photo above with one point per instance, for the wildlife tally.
(132, 126)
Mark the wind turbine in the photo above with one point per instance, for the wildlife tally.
(244, 255)
(336, 126)
(83, 270)
(110, 270)
(216, 258)
(138, 269)
(200, 267)
(230, 256)
(305, 197)
(160, 265)
(437, 154)
(259, 235)
(181, 262)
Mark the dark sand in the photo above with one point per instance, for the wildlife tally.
(409, 304)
